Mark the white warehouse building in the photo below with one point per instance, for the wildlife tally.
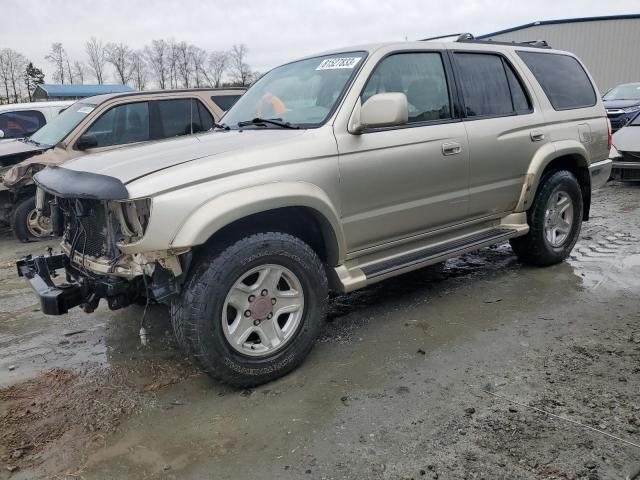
(608, 46)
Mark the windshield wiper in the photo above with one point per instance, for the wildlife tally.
(270, 121)
(222, 126)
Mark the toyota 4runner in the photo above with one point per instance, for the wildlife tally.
(331, 173)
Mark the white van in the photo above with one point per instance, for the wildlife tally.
(19, 120)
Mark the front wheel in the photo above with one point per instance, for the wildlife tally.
(253, 311)
(28, 224)
(555, 219)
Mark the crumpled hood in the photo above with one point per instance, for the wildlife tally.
(131, 163)
(614, 104)
(627, 139)
(12, 151)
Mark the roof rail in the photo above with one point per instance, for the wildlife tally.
(469, 38)
(460, 37)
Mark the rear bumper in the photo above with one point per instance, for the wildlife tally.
(78, 290)
(600, 173)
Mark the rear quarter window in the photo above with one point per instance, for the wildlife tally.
(21, 123)
(225, 102)
(562, 78)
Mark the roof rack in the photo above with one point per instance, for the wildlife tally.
(469, 38)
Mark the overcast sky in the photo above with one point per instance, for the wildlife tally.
(275, 31)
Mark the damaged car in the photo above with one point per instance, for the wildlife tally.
(96, 124)
(331, 173)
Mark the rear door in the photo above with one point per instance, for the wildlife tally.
(503, 127)
(401, 181)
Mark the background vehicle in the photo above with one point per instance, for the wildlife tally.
(332, 172)
(19, 120)
(626, 158)
(96, 124)
(622, 104)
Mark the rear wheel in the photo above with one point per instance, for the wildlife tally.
(28, 224)
(555, 219)
(252, 311)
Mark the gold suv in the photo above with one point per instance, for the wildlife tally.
(330, 173)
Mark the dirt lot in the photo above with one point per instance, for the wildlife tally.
(480, 368)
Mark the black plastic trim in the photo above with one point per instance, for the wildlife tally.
(435, 252)
(66, 183)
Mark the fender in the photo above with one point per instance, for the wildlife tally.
(228, 207)
(543, 157)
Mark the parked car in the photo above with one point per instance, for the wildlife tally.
(19, 120)
(96, 124)
(626, 151)
(332, 172)
(622, 104)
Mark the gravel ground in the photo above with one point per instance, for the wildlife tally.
(477, 368)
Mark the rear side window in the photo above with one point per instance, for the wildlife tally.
(21, 123)
(562, 78)
(489, 86)
(183, 117)
(225, 102)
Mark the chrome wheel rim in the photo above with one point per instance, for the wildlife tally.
(263, 310)
(558, 218)
(38, 225)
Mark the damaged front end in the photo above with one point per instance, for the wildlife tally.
(95, 218)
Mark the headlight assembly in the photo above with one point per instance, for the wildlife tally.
(133, 217)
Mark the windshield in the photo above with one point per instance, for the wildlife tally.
(57, 129)
(303, 93)
(624, 92)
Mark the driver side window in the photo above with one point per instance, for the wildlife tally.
(421, 77)
(121, 125)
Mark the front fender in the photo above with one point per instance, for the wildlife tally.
(228, 207)
(543, 157)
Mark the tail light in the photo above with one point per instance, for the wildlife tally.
(609, 136)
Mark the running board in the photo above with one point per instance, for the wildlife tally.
(444, 250)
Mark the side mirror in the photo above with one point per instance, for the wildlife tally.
(381, 110)
(1, 133)
(86, 141)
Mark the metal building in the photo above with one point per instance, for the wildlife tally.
(608, 46)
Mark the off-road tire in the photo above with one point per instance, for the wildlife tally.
(19, 220)
(177, 323)
(533, 248)
(207, 287)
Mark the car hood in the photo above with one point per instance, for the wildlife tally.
(627, 139)
(620, 103)
(130, 163)
(16, 148)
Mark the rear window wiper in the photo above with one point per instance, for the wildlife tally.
(270, 121)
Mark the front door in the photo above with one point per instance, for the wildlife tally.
(402, 181)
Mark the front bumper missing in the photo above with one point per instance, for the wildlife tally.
(78, 290)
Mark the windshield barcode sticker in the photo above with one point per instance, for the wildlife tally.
(335, 63)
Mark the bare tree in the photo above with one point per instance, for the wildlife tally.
(119, 55)
(156, 55)
(78, 72)
(97, 61)
(184, 62)
(199, 64)
(14, 64)
(240, 71)
(58, 58)
(138, 70)
(4, 75)
(218, 63)
(172, 57)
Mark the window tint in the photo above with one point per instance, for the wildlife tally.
(562, 78)
(421, 77)
(225, 102)
(183, 116)
(485, 87)
(521, 101)
(22, 123)
(123, 124)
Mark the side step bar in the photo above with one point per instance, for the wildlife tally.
(438, 251)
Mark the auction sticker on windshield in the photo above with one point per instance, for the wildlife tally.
(335, 63)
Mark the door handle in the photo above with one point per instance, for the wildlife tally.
(451, 148)
(537, 135)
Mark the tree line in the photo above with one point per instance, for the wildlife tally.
(163, 63)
